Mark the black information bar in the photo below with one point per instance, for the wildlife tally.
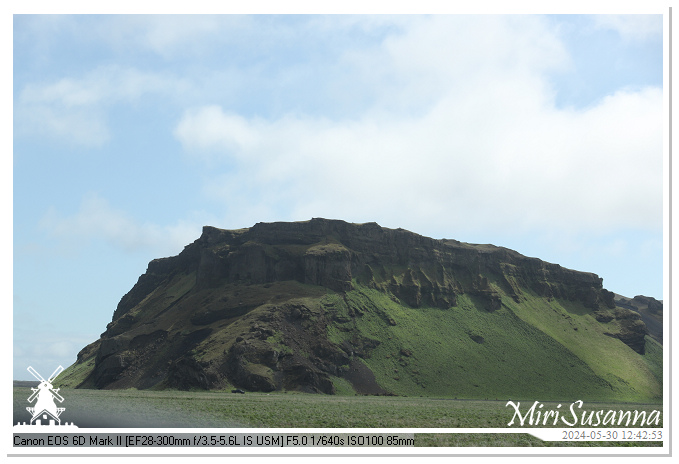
(183, 440)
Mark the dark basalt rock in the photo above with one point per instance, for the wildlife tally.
(633, 330)
(332, 253)
(186, 373)
(650, 310)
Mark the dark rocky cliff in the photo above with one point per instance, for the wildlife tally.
(253, 307)
(333, 253)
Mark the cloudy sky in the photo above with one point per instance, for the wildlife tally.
(543, 134)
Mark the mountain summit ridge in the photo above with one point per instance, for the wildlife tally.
(326, 306)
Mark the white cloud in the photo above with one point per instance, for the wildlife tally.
(209, 129)
(571, 170)
(632, 26)
(486, 148)
(75, 109)
(80, 126)
(170, 35)
(167, 32)
(97, 219)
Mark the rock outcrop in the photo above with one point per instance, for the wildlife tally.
(650, 311)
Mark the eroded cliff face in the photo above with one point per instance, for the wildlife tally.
(416, 269)
(270, 307)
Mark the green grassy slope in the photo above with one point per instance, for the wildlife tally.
(534, 350)
(628, 373)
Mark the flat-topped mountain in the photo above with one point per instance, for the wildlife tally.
(331, 307)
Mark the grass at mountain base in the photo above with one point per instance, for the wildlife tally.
(75, 374)
(343, 387)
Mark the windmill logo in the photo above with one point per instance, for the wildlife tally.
(45, 410)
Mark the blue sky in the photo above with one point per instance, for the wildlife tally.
(543, 134)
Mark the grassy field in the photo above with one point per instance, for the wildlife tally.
(178, 409)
